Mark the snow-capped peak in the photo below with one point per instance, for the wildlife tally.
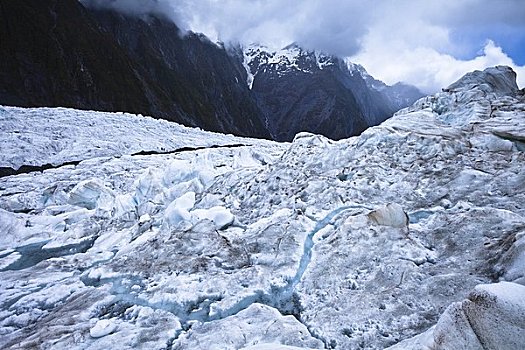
(323, 60)
(355, 68)
(290, 58)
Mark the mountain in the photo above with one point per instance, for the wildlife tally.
(58, 53)
(54, 54)
(300, 90)
(192, 73)
(130, 232)
(399, 95)
(61, 53)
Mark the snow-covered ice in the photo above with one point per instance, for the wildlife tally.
(102, 328)
(160, 236)
(492, 317)
(37, 136)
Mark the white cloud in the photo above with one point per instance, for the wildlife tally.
(414, 45)
(427, 68)
(330, 25)
(402, 40)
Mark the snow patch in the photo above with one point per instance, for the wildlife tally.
(249, 74)
(102, 328)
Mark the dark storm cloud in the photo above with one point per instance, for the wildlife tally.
(331, 25)
(335, 26)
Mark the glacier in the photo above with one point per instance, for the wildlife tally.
(122, 231)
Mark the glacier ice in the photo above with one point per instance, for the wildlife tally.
(392, 214)
(102, 328)
(397, 237)
(492, 317)
(220, 216)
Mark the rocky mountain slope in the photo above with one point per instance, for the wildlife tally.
(398, 96)
(413, 229)
(60, 53)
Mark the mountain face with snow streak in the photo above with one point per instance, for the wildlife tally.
(161, 236)
(300, 90)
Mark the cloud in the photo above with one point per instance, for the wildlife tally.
(332, 25)
(425, 67)
(426, 43)
(417, 42)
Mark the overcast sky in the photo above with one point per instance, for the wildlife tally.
(428, 43)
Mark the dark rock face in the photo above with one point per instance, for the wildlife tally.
(53, 54)
(399, 95)
(192, 73)
(58, 53)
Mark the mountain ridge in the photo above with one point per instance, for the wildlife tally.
(98, 58)
(296, 87)
(72, 56)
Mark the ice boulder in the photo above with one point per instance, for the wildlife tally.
(124, 207)
(220, 216)
(10, 226)
(144, 219)
(148, 187)
(186, 201)
(178, 211)
(391, 214)
(91, 194)
(181, 171)
(309, 139)
(178, 171)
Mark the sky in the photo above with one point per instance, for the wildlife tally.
(427, 43)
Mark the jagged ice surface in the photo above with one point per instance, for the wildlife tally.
(361, 243)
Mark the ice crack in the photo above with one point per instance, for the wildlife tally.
(282, 298)
(187, 149)
(27, 169)
(34, 253)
